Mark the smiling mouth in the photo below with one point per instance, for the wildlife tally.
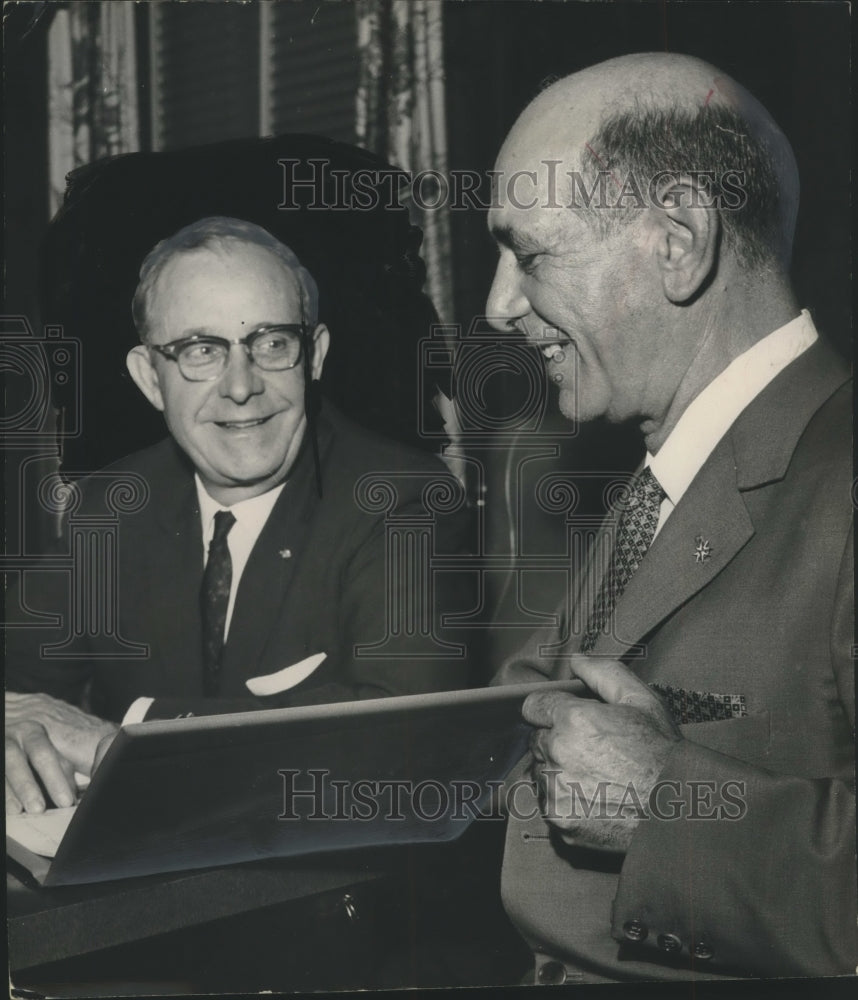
(554, 350)
(241, 425)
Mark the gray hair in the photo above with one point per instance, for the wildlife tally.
(217, 233)
(645, 140)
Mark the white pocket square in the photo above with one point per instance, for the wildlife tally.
(286, 678)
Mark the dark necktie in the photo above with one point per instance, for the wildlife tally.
(214, 596)
(635, 532)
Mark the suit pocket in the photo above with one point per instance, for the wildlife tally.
(748, 738)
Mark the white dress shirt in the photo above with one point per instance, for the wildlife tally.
(709, 416)
(250, 517)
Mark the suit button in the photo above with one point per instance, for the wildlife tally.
(703, 951)
(551, 974)
(669, 943)
(635, 930)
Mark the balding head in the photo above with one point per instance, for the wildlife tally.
(644, 115)
(220, 234)
(644, 217)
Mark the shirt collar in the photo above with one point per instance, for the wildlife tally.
(709, 416)
(255, 509)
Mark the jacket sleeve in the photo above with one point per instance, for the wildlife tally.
(543, 657)
(526, 665)
(745, 870)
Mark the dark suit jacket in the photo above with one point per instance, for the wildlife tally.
(770, 887)
(316, 581)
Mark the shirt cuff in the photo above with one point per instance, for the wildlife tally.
(137, 711)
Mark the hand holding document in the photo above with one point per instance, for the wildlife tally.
(49, 740)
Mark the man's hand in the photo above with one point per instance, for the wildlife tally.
(51, 739)
(595, 762)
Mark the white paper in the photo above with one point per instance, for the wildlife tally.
(40, 833)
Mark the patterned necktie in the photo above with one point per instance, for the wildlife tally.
(214, 597)
(635, 532)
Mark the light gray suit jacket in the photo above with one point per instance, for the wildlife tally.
(768, 617)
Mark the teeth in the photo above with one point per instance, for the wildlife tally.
(243, 423)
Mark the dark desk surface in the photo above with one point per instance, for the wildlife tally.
(420, 915)
(52, 924)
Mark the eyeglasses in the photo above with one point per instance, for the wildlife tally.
(274, 348)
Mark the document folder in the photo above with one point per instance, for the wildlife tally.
(216, 790)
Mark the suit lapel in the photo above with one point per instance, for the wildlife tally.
(265, 582)
(176, 568)
(711, 523)
(709, 526)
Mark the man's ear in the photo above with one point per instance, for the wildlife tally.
(141, 369)
(321, 341)
(687, 244)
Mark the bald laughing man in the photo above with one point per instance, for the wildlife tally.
(692, 812)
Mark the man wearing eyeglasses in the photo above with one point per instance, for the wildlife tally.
(252, 574)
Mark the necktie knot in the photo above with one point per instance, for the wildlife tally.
(645, 490)
(223, 522)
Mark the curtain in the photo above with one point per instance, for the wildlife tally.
(92, 87)
(400, 115)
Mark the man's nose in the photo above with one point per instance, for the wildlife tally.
(241, 378)
(507, 303)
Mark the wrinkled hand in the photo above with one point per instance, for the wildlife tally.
(595, 762)
(51, 739)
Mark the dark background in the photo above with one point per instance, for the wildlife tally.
(793, 56)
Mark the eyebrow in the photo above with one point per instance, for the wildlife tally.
(511, 238)
(204, 331)
(197, 331)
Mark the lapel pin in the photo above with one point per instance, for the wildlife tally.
(702, 550)
(285, 553)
